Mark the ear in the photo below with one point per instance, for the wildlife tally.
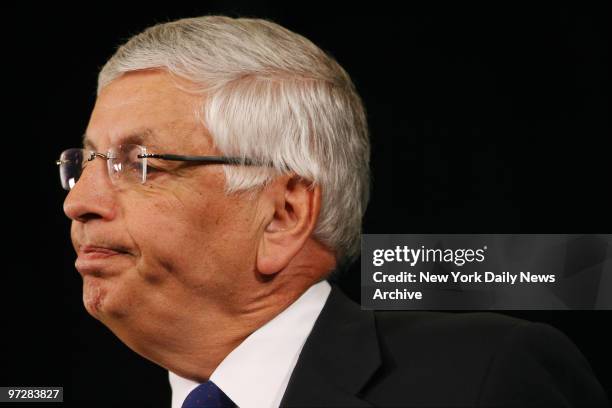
(293, 206)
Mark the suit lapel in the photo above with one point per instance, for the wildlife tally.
(338, 358)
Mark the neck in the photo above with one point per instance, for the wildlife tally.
(197, 356)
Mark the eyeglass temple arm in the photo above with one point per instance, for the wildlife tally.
(202, 159)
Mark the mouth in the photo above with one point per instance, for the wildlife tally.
(96, 260)
(92, 251)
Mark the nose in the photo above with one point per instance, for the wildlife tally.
(93, 196)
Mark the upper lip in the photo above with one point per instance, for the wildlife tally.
(85, 249)
(92, 256)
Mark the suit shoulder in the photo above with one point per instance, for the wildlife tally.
(445, 326)
(547, 368)
(461, 344)
(484, 358)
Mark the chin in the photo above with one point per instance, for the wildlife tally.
(94, 294)
(100, 298)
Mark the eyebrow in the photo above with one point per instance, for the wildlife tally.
(143, 136)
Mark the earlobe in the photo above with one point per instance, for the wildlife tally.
(295, 208)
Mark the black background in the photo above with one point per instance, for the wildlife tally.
(483, 119)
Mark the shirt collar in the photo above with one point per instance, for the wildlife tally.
(256, 373)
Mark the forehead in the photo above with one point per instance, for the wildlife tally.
(148, 108)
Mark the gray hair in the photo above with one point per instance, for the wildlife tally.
(272, 95)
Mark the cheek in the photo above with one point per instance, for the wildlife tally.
(193, 239)
(232, 236)
(172, 237)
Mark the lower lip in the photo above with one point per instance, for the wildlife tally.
(95, 263)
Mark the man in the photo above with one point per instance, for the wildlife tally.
(223, 177)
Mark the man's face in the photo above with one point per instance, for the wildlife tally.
(185, 244)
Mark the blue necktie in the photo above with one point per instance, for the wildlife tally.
(207, 395)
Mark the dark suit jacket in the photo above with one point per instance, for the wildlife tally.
(357, 358)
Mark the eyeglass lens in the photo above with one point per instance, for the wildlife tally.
(123, 163)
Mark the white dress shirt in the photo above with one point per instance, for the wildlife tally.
(256, 373)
